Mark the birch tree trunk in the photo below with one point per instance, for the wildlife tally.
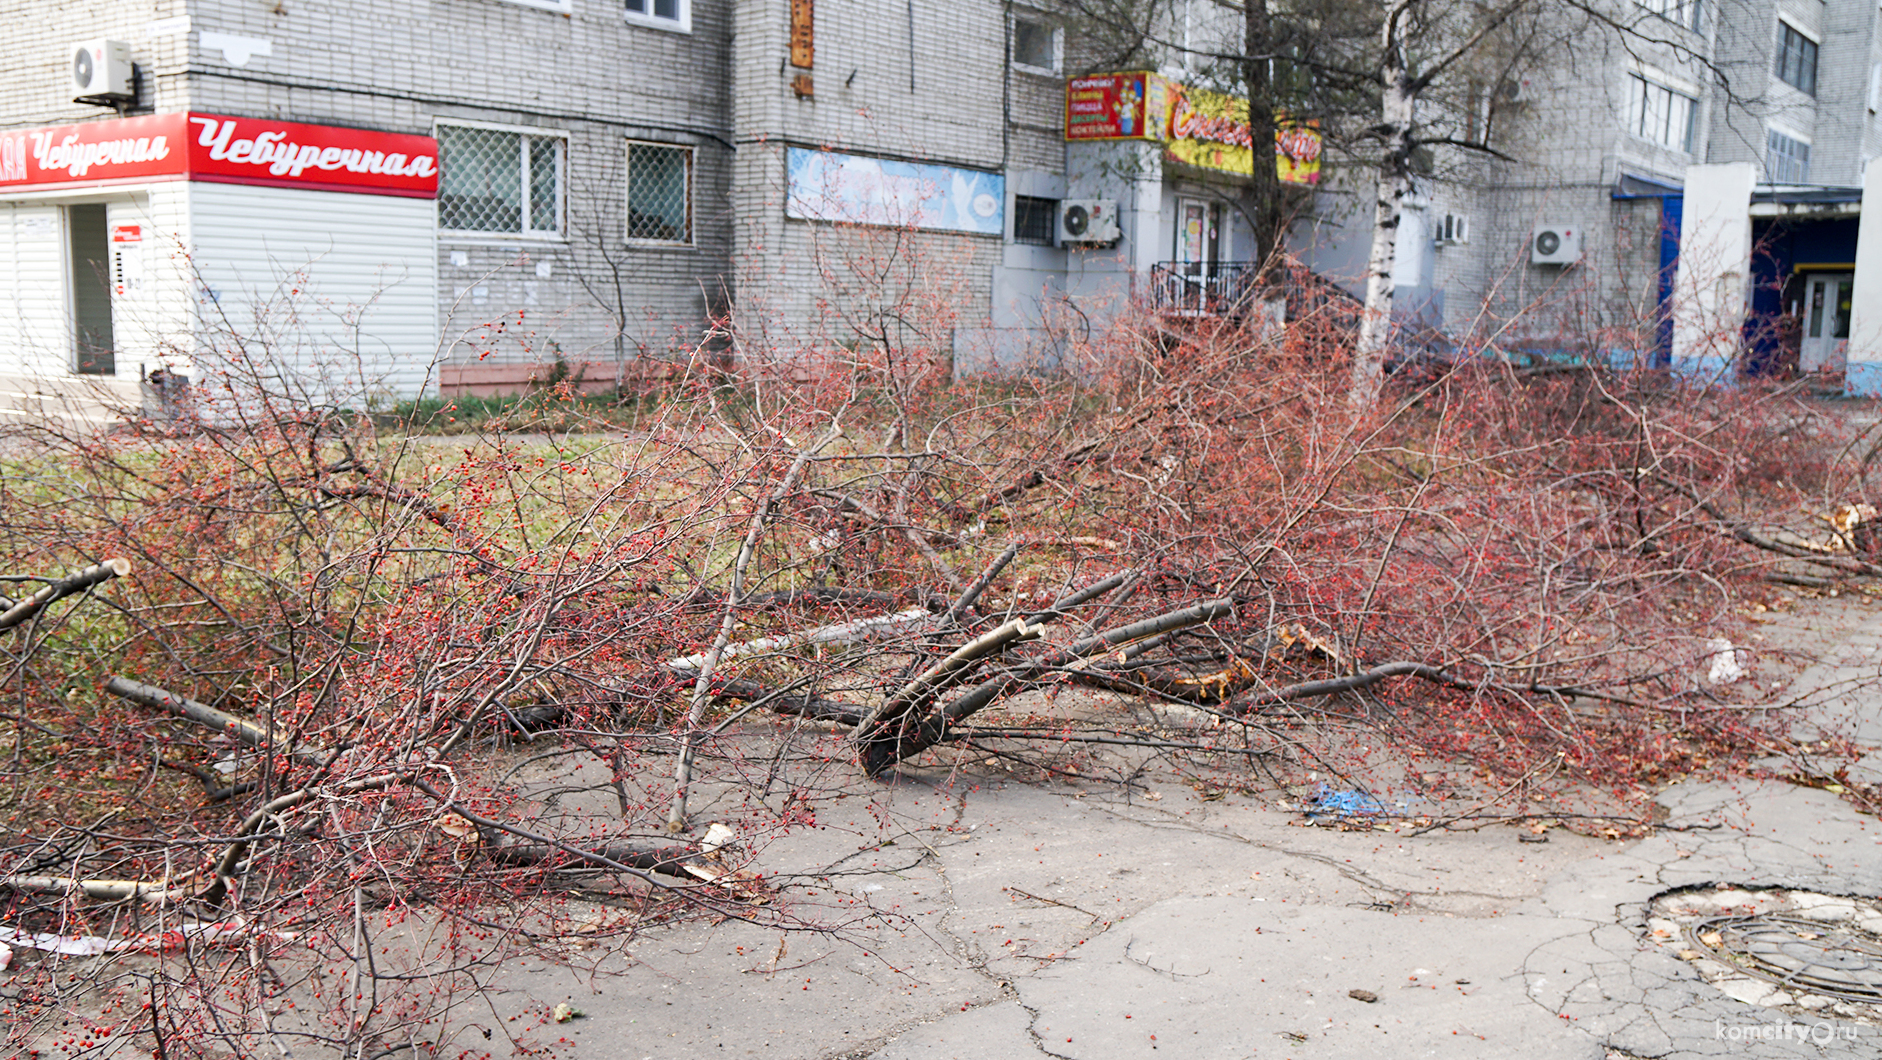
(1375, 327)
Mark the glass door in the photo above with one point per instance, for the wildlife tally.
(1825, 344)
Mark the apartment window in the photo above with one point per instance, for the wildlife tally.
(1796, 59)
(659, 193)
(1661, 115)
(1787, 159)
(1036, 45)
(1035, 220)
(499, 181)
(1687, 13)
(676, 15)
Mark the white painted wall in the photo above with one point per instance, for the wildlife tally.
(1864, 372)
(32, 289)
(1712, 286)
(326, 296)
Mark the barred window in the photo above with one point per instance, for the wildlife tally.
(661, 14)
(1787, 159)
(1796, 59)
(1035, 220)
(499, 181)
(659, 193)
(1661, 114)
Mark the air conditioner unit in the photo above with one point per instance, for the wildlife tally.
(1453, 229)
(102, 72)
(1515, 89)
(1088, 221)
(1555, 245)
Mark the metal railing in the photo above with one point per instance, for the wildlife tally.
(1228, 289)
(1202, 288)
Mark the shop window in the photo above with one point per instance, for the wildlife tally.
(499, 181)
(1787, 159)
(1796, 59)
(659, 193)
(1661, 114)
(676, 15)
(1037, 45)
(1035, 220)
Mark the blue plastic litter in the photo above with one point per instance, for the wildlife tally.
(1326, 802)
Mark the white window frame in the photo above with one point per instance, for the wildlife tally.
(1796, 138)
(564, 7)
(681, 24)
(1642, 80)
(533, 235)
(1687, 14)
(1037, 18)
(1816, 65)
(627, 193)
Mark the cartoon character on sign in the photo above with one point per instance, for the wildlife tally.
(1130, 99)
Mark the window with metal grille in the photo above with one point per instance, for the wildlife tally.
(659, 193)
(499, 181)
(1786, 159)
(661, 14)
(1662, 115)
(1035, 220)
(1796, 59)
(1035, 45)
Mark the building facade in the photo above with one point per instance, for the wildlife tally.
(579, 208)
(615, 185)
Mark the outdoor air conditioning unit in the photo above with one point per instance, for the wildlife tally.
(102, 72)
(1555, 245)
(1088, 221)
(1453, 229)
(1515, 89)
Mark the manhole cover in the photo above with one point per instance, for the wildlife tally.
(1796, 953)
(1808, 953)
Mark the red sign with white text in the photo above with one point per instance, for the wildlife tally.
(219, 149)
(290, 155)
(100, 152)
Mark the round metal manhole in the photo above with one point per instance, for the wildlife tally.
(1808, 953)
(1797, 953)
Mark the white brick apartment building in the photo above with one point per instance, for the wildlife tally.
(606, 179)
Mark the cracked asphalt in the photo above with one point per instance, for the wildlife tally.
(986, 918)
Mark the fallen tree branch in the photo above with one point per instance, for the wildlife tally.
(884, 749)
(734, 597)
(950, 671)
(209, 717)
(839, 633)
(75, 583)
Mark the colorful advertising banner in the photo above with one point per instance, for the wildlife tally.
(1201, 127)
(219, 149)
(1127, 106)
(826, 186)
(1210, 130)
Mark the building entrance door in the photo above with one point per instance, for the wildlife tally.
(1196, 238)
(1825, 345)
(89, 252)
